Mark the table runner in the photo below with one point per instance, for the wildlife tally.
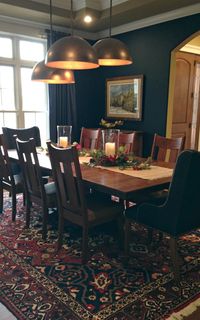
(155, 172)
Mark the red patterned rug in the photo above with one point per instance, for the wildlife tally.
(38, 283)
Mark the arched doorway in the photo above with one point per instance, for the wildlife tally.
(183, 117)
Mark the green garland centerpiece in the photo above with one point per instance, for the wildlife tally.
(121, 160)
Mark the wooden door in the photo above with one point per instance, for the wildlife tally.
(183, 97)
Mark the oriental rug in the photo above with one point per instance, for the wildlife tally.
(39, 283)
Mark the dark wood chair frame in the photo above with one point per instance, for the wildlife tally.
(12, 183)
(22, 133)
(162, 144)
(90, 138)
(34, 184)
(126, 140)
(72, 203)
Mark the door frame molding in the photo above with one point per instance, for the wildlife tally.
(172, 75)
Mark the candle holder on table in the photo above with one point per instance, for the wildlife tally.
(110, 141)
(64, 136)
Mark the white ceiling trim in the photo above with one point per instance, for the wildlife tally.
(171, 15)
(42, 26)
(164, 17)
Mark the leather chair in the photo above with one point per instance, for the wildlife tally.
(8, 181)
(90, 138)
(180, 213)
(36, 190)
(73, 204)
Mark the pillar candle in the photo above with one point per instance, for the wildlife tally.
(110, 148)
(63, 142)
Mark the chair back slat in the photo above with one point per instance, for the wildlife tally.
(89, 138)
(162, 145)
(126, 140)
(30, 166)
(67, 175)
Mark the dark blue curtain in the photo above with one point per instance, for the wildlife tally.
(62, 101)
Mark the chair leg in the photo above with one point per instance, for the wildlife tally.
(24, 199)
(1, 198)
(13, 205)
(60, 231)
(175, 258)
(44, 222)
(28, 212)
(127, 230)
(85, 245)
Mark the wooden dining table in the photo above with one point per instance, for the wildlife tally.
(113, 183)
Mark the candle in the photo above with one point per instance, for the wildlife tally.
(63, 142)
(110, 148)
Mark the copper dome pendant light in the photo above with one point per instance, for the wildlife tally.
(42, 73)
(72, 52)
(111, 51)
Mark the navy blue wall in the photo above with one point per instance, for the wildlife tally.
(151, 49)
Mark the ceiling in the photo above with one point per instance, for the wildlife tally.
(125, 13)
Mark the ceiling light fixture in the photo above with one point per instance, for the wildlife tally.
(87, 19)
(72, 52)
(111, 51)
(42, 73)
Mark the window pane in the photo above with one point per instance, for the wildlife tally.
(37, 119)
(10, 119)
(33, 93)
(1, 121)
(6, 48)
(32, 51)
(7, 99)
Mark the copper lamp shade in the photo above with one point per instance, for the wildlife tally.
(50, 75)
(112, 52)
(71, 52)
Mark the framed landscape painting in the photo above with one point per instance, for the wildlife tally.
(124, 97)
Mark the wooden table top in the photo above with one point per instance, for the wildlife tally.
(113, 183)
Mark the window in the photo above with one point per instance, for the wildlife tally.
(23, 103)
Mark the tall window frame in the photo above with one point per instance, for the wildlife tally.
(18, 64)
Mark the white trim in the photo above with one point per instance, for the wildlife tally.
(167, 16)
(160, 18)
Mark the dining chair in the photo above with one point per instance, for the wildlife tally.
(180, 213)
(74, 205)
(126, 140)
(8, 181)
(165, 150)
(90, 138)
(36, 191)
(22, 134)
(162, 145)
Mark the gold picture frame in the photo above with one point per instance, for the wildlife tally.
(124, 97)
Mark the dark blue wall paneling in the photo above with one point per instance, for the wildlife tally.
(151, 49)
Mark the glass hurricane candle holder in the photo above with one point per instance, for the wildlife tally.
(64, 136)
(110, 140)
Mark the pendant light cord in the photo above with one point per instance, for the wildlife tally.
(110, 23)
(72, 20)
(51, 28)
